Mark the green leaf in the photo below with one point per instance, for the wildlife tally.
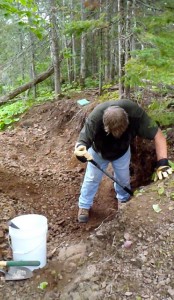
(172, 196)
(156, 208)
(161, 191)
(7, 121)
(43, 285)
(138, 193)
(171, 164)
(154, 177)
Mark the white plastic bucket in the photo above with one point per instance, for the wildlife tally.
(29, 241)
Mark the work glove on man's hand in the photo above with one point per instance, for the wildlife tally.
(82, 153)
(163, 169)
(79, 152)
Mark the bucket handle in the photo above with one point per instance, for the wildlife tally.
(16, 252)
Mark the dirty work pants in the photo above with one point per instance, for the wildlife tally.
(93, 177)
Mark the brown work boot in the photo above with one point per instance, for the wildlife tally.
(83, 215)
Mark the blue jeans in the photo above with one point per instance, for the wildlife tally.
(93, 177)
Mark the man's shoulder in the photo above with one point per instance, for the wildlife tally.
(130, 107)
(120, 102)
(127, 103)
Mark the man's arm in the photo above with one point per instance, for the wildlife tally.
(86, 136)
(160, 145)
(163, 169)
(84, 141)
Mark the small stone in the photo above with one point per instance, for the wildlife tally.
(1, 234)
(103, 284)
(128, 294)
(127, 244)
(127, 236)
(171, 292)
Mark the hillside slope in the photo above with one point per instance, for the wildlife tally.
(39, 174)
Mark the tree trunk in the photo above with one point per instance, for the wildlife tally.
(121, 45)
(54, 48)
(127, 44)
(114, 46)
(32, 71)
(28, 85)
(100, 63)
(83, 50)
(74, 58)
(20, 51)
(134, 25)
(68, 59)
(107, 46)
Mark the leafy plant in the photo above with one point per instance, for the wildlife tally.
(91, 82)
(25, 10)
(109, 96)
(10, 113)
(159, 112)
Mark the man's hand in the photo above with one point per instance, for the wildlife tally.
(82, 154)
(163, 169)
(80, 150)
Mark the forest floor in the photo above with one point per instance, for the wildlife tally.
(39, 174)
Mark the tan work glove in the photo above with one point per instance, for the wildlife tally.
(82, 153)
(163, 170)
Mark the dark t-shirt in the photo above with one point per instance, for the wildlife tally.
(111, 148)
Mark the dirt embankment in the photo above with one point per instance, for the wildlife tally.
(39, 174)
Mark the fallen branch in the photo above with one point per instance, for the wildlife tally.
(41, 77)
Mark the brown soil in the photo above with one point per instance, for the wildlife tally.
(39, 174)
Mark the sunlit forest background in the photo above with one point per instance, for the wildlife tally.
(50, 48)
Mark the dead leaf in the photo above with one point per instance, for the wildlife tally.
(156, 208)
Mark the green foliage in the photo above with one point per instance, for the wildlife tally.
(135, 72)
(25, 11)
(9, 113)
(106, 86)
(155, 62)
(171, 163)
(44, 95)
(91, 82)
(10, 6)
(35, 27)
(67, 53)
(78, 27)
(159, 112)
(70, 87)
(43, 285)
(109, 96)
